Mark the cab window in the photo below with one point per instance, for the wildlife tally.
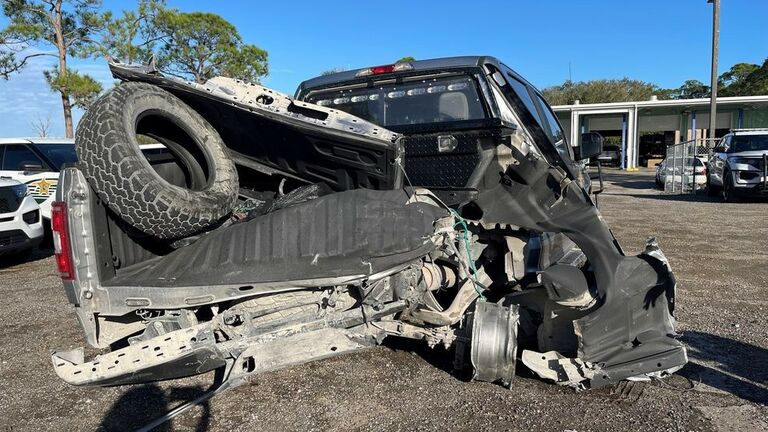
(58, 154)
(553, 129)
(416, 100)
(540, 112)
(17, 155)
(522, 92)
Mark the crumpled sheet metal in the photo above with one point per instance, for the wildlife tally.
(262, 100)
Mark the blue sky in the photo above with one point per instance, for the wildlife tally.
(662, 41)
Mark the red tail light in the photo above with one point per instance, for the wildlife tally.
(61, 245)
(382, 69)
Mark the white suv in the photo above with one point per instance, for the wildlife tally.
(738, 165)
(36, 162)
(21, 224)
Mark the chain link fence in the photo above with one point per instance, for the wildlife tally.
(680, 171)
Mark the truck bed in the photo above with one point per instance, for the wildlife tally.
(347, 234)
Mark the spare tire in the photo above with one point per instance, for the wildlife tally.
(108, 149)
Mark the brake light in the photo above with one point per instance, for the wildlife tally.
(377, 70)
(382, 69)
(61, 244)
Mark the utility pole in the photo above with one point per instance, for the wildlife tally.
(715, 48)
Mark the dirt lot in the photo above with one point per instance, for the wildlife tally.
(718, 252)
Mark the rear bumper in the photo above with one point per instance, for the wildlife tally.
(196, 350)
(177, 354)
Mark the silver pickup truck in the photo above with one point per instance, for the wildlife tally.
(275, 231)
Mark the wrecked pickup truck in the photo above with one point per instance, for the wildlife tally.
(436, 200)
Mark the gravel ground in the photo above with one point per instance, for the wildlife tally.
(717, 251)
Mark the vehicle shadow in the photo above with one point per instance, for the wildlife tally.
(661, 196)
(735, 361)
(144, 403)
(437, 357)
(42, 252)
(443, 359)
(737, 365)
(699, 197)
(35, 255)
(629, 181)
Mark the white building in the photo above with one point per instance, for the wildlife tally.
(643, 129)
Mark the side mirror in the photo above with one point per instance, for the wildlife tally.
(591, 146)
(657, 164)
(31, 166)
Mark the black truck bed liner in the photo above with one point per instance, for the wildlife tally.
(358, 232)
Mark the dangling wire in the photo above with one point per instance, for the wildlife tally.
(463, 236)
(405, 175)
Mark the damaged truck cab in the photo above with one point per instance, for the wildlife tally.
(436, 200)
